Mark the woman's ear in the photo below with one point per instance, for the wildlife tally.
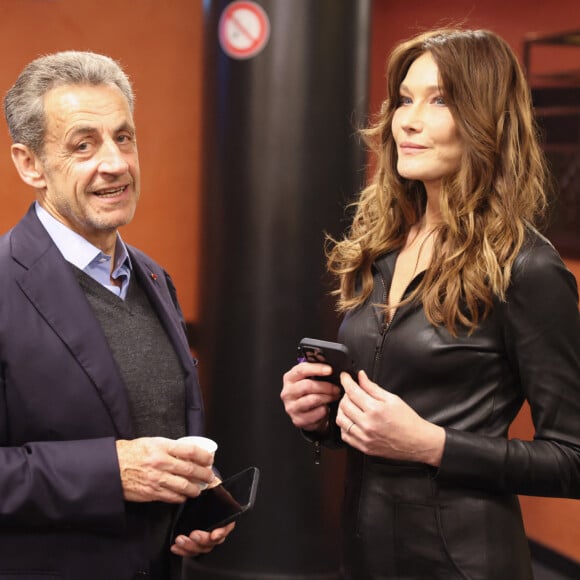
(28, 165)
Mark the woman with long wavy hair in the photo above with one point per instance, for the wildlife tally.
(456, 311)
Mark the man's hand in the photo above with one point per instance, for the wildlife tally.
(200, 542)
(157, 469)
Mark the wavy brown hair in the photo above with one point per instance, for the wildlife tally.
(486, 206)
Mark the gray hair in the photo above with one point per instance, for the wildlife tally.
(24, 102)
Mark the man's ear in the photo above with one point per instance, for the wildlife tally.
(28, 165)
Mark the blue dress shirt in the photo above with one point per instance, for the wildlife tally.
(87, 257)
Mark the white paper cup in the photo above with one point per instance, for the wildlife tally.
(205, 443)
(196, 441)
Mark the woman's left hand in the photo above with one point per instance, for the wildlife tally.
(380, 423)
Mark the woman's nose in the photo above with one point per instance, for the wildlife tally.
(412, 118)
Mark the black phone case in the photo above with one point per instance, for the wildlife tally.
(334, 354)
(218, 506)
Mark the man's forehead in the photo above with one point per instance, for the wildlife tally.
(86, 106)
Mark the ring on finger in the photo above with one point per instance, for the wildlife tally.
(349, 428)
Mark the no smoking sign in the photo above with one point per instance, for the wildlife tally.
(244, 29)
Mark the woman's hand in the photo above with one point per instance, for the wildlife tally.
(306, 398)
(380, 423)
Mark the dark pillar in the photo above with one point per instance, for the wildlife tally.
(281, 161)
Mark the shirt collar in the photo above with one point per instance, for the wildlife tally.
(76, 249)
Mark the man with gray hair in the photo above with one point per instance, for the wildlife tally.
(96, 377)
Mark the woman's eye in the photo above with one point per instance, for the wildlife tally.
(404, 100)
(439, 100)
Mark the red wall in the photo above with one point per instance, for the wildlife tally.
(161, 45)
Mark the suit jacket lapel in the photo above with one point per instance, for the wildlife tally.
(153, 282)
(49, 283)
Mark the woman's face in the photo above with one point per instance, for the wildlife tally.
(429, 146)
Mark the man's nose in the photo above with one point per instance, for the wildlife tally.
(112, 159)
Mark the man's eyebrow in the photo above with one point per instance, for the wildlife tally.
(88, 129)
(80, 130)
(126, 127)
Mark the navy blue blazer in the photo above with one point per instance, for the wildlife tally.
(62, 406)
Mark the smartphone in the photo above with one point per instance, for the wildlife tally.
(334, 354)
(217, 506)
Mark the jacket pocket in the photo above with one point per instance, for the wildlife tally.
(484, 535)
(419, 544)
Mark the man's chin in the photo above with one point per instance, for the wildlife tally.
(113, 219)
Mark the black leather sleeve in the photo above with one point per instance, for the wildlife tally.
(542, 335)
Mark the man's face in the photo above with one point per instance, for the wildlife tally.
(89, 165)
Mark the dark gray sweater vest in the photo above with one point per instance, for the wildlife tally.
(145, 356)
(154, 380)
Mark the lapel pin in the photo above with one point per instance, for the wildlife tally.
(154, 277)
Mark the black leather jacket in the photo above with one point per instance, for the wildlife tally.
(473, 385)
